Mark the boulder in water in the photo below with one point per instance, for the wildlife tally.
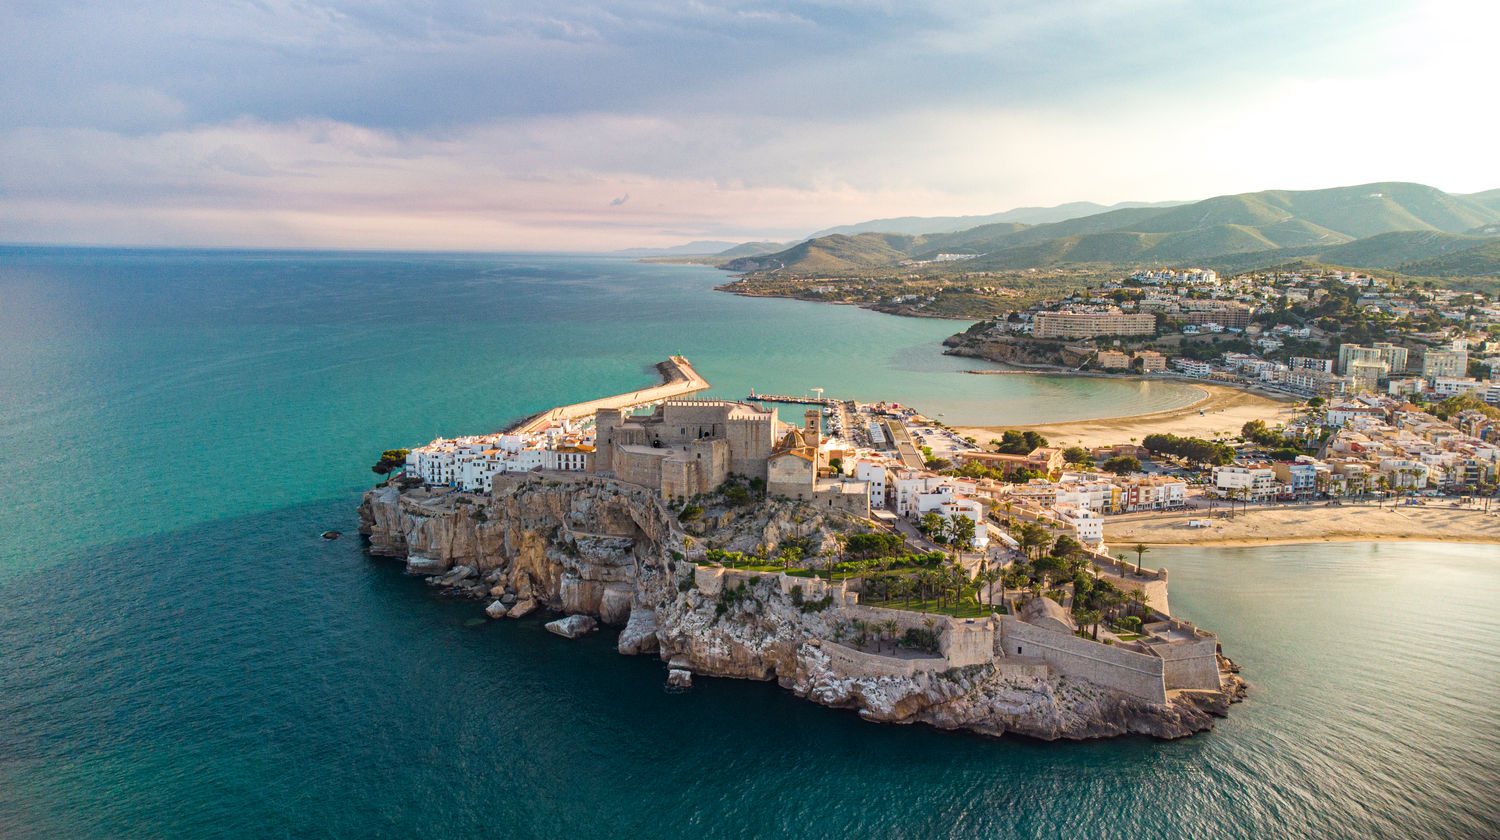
(573, 626)
(496, 610)
(521, 609)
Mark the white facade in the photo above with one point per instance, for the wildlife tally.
(471, 463)
(1088, 526)
(944, 503)
(909, 485)
(873, 474)
(1246, 482)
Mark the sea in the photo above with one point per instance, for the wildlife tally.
(182, 655)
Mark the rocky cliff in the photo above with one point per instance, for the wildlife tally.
(1015, 350)
(594, 546)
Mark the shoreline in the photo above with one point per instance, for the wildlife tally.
(1220, 408)
(1309, 524)
(1332, 538)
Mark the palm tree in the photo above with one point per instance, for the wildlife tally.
(1139, 549)
(1137, 599)
(890, 626)
(1087, 617)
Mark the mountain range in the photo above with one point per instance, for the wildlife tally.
(1409, 228)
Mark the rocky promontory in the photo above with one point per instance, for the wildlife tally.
(590, 546)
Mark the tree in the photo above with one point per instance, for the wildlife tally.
(1067, 547)
(1032, 536)
(790, 556)
(889, 627)
(1123, 464)
(1076, 455)
(1139, 549)
(1086, 617)
(933, 526)
(1316, 402)
(391, 460)
(961, 532)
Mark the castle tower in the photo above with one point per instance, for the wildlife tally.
(606, 420)
(812, 427)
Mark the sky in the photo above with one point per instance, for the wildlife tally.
(582, 126)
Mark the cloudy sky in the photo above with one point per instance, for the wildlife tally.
(559, 125)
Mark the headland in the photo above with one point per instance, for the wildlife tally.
(730, 544)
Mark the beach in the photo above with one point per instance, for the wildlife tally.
(1317, 522)
(1222, 409)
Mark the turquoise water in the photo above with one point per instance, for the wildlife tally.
(181, 656)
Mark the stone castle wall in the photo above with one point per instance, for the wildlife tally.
(1133, 673)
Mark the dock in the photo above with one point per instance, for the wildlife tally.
(781, 398)
(678, 380)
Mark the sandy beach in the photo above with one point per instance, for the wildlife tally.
(1222, 409)
(1437, 521)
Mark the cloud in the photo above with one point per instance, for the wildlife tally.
(474, 124)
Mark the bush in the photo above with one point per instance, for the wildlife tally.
(690, 513)
(819, 605)
(917, 638)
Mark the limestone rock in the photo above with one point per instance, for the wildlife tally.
(573, 626)
(600, 548)
(419, 565)
(614, 604)
(521, 609)
(457, 574)
(639, 635)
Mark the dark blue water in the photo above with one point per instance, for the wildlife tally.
(181, 656)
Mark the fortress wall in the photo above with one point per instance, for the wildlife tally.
(645, 470)
(709, 579)
(855, 664)
(1133, 673)
(857, 504)
(750, 443)
(1190, 664)
(1155, 589)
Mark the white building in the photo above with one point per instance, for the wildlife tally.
(943, 502)
(1088, 526)
(1250, 482)
(874, 475)
(910, 484)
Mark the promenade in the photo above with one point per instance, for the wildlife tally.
(678, 380)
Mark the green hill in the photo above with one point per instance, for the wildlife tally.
(1340, 225)
(1389, 250)
(752, 249)
(1482, 260)
(1488, 198)
(833, 254)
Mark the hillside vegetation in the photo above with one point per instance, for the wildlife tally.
(1411, 228)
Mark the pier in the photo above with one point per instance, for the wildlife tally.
(678, 380)
(781, 398)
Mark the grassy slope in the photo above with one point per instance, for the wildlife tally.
(1277, 224)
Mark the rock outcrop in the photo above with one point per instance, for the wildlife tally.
(594, 547)
(573, 627)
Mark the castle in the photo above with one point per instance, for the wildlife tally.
(689, 446)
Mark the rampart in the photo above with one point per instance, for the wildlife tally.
(1189, 655)
(1137, 674)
